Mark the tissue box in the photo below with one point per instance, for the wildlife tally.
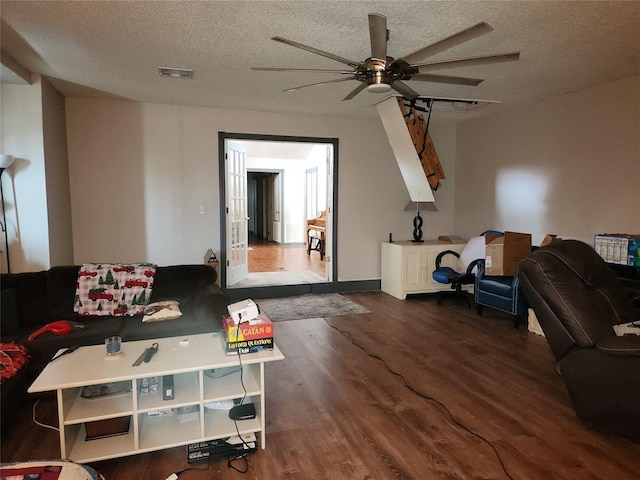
(244, 310)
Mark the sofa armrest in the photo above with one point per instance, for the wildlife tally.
(211, 302)
(626, 345)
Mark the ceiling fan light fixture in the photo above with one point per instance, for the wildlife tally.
(379, 82)
(381, 72)
(379, 88)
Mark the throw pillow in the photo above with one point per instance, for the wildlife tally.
(473, 250)
(160, 311)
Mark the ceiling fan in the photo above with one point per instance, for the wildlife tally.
(380, 73)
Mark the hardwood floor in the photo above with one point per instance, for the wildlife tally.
(265, 256)
(410, 391)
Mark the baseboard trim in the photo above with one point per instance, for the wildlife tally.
(236, 294)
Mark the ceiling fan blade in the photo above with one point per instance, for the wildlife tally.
(284, 69)
(469, 62)
(307, 48)
(379, 35)
(447, 43)
(430, 77)
(404, 90)
(355, 92)
(319, 83)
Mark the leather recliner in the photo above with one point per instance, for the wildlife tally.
(578, 300)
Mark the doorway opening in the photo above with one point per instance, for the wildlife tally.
(271, 188)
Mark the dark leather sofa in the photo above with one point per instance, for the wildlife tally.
(578, 300)
(32, 300)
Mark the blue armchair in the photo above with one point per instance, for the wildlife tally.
(501, 293)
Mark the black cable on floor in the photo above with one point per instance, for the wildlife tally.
(451, 419)
(176, 475)
(241, 456)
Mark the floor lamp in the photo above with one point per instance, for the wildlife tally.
(5, 162)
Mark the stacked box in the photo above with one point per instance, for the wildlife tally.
(247, 337)
(504, 252)
(222, 447)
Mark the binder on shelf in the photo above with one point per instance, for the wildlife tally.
(168, 392)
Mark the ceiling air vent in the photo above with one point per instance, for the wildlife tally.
(185, 73)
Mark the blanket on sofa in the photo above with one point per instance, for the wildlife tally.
(113, 289)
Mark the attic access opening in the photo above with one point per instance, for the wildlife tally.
(407, 134)
(419, 131)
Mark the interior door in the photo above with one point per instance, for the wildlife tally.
(329, 193)
(236, 213)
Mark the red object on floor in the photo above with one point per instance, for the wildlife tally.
(59, 327)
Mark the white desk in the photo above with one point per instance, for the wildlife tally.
(89, 366)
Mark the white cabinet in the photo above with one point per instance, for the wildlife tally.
(149, 431)
(407, 267)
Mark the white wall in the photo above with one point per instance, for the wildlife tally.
(292, 194)
(294, 187)
(318, 159)
(24, 184)
(139, 173)
(57, 176)
(569, 165)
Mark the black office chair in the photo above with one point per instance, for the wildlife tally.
(467, 262)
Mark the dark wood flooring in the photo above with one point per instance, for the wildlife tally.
(410, 391)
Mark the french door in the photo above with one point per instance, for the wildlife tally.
(236, 213)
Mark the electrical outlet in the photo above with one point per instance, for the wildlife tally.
(202, 212)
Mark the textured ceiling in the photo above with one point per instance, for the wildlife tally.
(98, 48)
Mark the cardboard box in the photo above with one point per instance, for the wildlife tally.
(549, 239)
(247, 337)
(503, 253)
(451, 239)
(247, 331)
(246, 346)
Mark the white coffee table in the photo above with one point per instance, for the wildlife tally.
(90, 366)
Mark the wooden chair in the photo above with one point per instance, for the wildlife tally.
(315, 232)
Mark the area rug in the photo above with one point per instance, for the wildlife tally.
(291, 277)
(308, 306)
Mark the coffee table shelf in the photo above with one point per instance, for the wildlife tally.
(186, 393)
(164, 432)
(218, 425)
(83, 410)
(148, 429)
(225, 388)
